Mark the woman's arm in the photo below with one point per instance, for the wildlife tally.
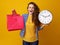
(41, 27)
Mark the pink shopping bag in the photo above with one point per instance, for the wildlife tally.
(14, 21)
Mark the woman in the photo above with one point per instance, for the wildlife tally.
(32, 25)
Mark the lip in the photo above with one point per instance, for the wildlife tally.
(31, 11)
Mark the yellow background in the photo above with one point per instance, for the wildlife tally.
(50, 35)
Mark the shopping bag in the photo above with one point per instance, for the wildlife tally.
(15, 21)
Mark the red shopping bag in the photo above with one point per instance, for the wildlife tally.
(14, 21)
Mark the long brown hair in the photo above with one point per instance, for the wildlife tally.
(35, 14)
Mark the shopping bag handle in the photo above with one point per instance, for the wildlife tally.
(14, 12)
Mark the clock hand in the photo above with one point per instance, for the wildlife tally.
(45, 16)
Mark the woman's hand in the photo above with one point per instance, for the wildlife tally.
(43, 25)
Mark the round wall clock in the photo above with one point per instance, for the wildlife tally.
(45, 17)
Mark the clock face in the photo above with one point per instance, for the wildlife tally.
(45, 17)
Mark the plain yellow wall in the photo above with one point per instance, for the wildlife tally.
(50, 35)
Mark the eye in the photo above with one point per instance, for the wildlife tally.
(33, 7)
(29, 7)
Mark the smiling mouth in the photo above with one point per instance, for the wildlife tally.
(31, 11)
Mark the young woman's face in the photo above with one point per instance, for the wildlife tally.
(31, 9)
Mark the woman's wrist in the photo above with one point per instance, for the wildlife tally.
(42, 26)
